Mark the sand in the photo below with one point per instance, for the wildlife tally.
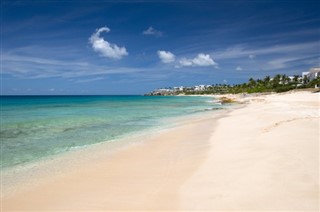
(263, 156)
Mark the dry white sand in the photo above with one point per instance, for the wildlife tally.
(264, 156)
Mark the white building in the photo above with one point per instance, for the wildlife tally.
(291, 78)
(197, 88)
(306, 73)
(200, 87)
(313, 73)
(178, 88)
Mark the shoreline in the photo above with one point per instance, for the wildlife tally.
(21, 178)
(44, 129)
(247, 159)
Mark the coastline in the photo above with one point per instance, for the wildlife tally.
(250, 159)
(30, 178)
(35, 128)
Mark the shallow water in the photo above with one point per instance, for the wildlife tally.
(33, 127)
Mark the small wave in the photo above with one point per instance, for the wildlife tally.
(212, 108)
(207, 109)
(12, 133)
(218, 102)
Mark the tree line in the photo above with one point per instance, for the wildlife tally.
(279, 83)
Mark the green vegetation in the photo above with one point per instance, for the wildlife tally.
(279, 83)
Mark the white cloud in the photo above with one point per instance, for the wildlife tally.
(203, 60)
(105, 48)
(152, 31)
(239, 68)
(252, 56)
(240, 51)
(27, 67)
(89, 80)
(166, 56)
(281, 62)
(200, 60)
(185, 62)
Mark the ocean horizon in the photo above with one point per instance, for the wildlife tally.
(37, 126)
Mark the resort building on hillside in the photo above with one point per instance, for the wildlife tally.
(201, 87)
(178, 88)
(313, 73)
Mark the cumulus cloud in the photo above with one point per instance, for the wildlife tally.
(105, 48)
(239, 68)
(185, 62)
(166, 56)
(252, 56)
(200, 60)
(152, 31)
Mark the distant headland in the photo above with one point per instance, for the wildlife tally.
(278, 83)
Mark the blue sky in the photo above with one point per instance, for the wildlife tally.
(132, 47)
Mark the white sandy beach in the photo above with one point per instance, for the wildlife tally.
(263, 156)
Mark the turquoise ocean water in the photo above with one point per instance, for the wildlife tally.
(34, 127)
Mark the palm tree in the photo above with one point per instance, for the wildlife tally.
(266, 81)
(305, 79)
(285, 79)
(276, 80)
(260, 82)
(252, 83)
